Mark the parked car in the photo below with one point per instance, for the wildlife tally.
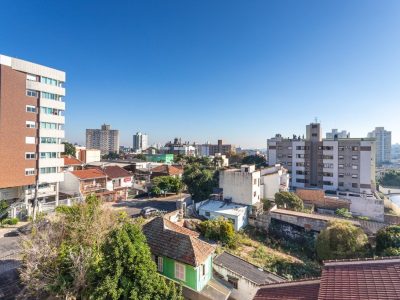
(147, 212)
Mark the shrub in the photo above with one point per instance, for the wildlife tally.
(289, 200)
(219, 229)
(339, 240)
(388, 240)
(343, 212)
(267, 204)
(10, 221)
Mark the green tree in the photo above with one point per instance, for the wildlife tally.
(343, 212)
(388, 241)
(111, 155)
(390, 178)
(3, 209)
(69, 149)
(257, 160)
(166, 184)
(341, 239)
(199, 181)
(126, 270)
(219, 229)
(140, 156)
(289, 200)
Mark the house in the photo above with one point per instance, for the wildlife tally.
(236, 213)
(365, 279)
(119, 180)
(72, 164)
(273, 180)
(243, 277)
(182, 257)
(84, 182)
(166, 170)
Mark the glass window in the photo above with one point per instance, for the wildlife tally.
(179, 271)
(49, 140)
(50, 96)
(32, 93)
(31, 77)
(29, 172)
(30, 108)
(30, 124)
(50, 81)
(159, 264)
(48, 170)
(30, 155)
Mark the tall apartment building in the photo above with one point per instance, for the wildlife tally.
(105, 139)
(336, 134)
(31, 128)
(140, 142)
(340, 164)
(383, 144)
(208, 149)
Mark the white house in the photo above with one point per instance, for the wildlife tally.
(273, 180)
(242, 277)
(242, 185)
(212, 209)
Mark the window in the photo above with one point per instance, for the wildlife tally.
(48, 170)
(31, 77)
(341, 166)
(341, 183)
(207, 213)
(50, 81)
(30, 140)
(29, 172)
(30, 108)
(45, 155)
(354, 185)
(354, 167)
(341, 156)
(50, 96)
(354, 157)
(341, 175)
(179, 271)
(234, 281)
(255, 181)
(30, 124)
(51, 111)
(29, 155)
(355, 148)
(49, 140)
(159, 263)
(47, 125)
(341, 148)
(32, 93)
(203, 270)
(354, 176)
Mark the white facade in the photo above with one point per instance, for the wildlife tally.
(212, 209)
(70, 185)
(140, 142)
(242, 186)
(383, 144)
(273, 180)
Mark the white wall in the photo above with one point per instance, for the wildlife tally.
(270, 185)
(240, 221)
(70, 185)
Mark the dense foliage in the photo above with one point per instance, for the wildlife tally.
(340, 240)
(343, 212)
(200, 181)
(388, 241)
(166, 184)
(390, 179)
(219, 229)
(3, 209)
(257, 160)
(111, 155)
(69, 149)
(288, 200)
(80, 253)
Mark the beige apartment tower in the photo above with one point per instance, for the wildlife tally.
(104, 139)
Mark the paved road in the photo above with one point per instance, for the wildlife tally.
(134, 206)
(9, 244)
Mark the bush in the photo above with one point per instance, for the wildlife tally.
(219, 229)
(343, 212)
(340, 240)
(388, 240)
(10, 221)
(289, 200)
(267, 204)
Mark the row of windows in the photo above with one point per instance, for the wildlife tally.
(354, 167)
(48, 170)
(48, 125)
(48, 154)
(43, 79)
(30, 124)
(50, 140)
(51, 111)
(353, 185)
(353, 148)
(45, 95)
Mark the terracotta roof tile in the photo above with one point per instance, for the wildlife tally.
(168, 239)
(167, 170)
(291, 290)
(88, 174)
(115, 172)
(72, 161)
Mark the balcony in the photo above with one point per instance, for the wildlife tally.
(43, 192)
(51, 162)
(39, 86)
(51, 133)
(51, 118)
(51, 147)
(88, 188)
(52, 104)
(51, 177)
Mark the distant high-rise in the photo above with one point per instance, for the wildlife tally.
(383, 144)
(140, 142)
(105, 139)
(336, 134)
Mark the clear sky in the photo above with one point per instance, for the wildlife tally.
(202, 70)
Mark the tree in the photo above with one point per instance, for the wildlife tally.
(69, 149)
(219, 229)
(111, 155)
(236, 158)
(341, 239)
(199, 181)
(388, 241)
(390, 179)
(257, 160)
(166, 184)
(343, 212)
(141, 157)
(289, 200)
(126, 270)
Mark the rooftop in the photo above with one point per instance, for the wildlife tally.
(291, 290)
(224, 207)
(89, 174)
(167, 169)
(245, 269)
(181, 244)
(115, 172)
(71, 161)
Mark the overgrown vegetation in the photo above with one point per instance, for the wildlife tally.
(200, 181)
(343, 212)
(390, 179)
(91, 253)
(388, 241)
(69, 149)
(257, 160)
(165, 185)
(289, 200)
(219, 229)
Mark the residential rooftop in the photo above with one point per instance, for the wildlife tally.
(89, 174)
(223, 207)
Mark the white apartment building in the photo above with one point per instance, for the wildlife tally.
(140, 142)
(32, 127)
(383, 144)
(336, 134)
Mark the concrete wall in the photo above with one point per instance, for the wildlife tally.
(70, 185)
(240, 221)
(270, 185)
(389, 190)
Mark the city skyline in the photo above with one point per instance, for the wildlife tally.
(241, 71)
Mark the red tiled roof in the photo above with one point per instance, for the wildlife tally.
(71, 161)
(291, 290)
(115, 172)
(181, 244)
(361, 279)
(168, 170)
(88, 174)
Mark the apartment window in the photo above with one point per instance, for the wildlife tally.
(233, 281)
(49, 140)
(289, 164)
(328, 166)
(30, 108)
(289, 148)
(341, 166)
(48, 170)
(328, 183)
(30, 124)
(299, 164)
(354, 176)
(354, 167)
(31, 77)
(159, 263)
(47, 125)
(354, 148)
(341, 183)
(290, 156)
(50, 81)
(179, 271)
(341, 156)
(45, 155)
(32, 93)
(50, 96)
(30, 140)
(30, 155)
(51, 111)
(354, 185)
(341, 175)
(300, 155)
(29, 172)
(341, 148)
(354, 157)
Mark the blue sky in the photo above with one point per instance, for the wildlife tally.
(202, 70)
